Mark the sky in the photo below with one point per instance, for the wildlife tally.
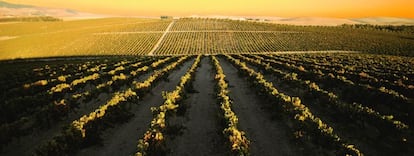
(275, 8)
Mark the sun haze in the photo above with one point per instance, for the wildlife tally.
(279, 8)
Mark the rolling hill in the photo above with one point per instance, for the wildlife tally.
(22, 10)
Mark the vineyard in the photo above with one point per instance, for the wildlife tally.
(193, 86)
(238, 104)
(134, 36)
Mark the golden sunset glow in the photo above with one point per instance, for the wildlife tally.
(278, 8)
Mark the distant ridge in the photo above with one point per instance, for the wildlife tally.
(385, 21)
(18, 10)
(22, 10)
(15, 6)
(315, 21)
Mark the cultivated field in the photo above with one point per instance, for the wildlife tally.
(131, 36)
(204, 87)
(273, 104)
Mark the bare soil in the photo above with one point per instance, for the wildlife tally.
(202, 134)
(267, 135)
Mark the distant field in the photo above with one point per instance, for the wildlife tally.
(43, 39)
(131, 36)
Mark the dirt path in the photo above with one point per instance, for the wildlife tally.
(267, 136)
(162, 38)
(129, 32)
(123, 138)
(202, 134)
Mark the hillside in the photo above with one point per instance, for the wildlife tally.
(186, 78)
(15, 6)
(133, 36)
(22, 10)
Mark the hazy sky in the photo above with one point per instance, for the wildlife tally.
(283, 8)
